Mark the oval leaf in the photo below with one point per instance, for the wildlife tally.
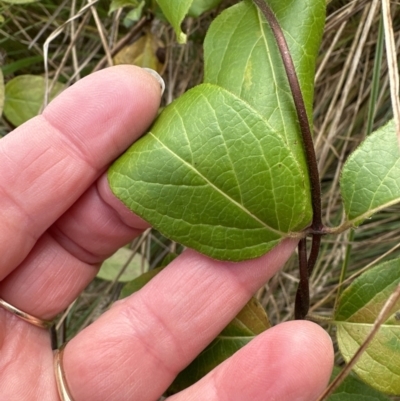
(249, 322)
(24, 97)
(359, 305)
(222, 169)
(112, 267)
(371, 176)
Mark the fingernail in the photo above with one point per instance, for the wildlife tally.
(157, 76)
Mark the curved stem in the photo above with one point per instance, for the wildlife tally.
(300, 110)
(306, 267)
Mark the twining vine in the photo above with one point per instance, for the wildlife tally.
(317, 229)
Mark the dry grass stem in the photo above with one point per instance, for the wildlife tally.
(392, 63)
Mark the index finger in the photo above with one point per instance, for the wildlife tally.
(51, 160)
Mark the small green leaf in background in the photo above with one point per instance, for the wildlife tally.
(250, 321)
(223, 169)
(199, 7)
(358, 308)
(117, 4)
(371, 176)
(175, 12)
(2, 89)
(353, 389)
(142, 280)
(112, 266)
(24, 97)
(139, 282)
(134, 15)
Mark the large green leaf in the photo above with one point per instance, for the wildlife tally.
(24, 97)
(358, 308)
(249, 322)
(353, 389)
(222, 170)
(371, 176)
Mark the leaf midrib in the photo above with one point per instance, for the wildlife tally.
(237, 204)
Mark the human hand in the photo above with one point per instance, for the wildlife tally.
(60, 221)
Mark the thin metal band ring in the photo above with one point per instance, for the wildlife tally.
(44, 324)
(62, 386)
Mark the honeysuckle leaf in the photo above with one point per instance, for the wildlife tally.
(371, 176)
(359, 305)
(353, 389)
(143, 279)
(249, 322)
(139, 282)
(117, 4)
(175, 11)
(123, 260)
(24, 96)
(222, 169)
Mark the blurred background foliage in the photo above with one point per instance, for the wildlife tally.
(48, 45)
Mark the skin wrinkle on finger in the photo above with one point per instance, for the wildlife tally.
(190, 292)
(48, 186)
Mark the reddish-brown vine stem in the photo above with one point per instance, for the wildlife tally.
(303, 295)
(317, 227)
